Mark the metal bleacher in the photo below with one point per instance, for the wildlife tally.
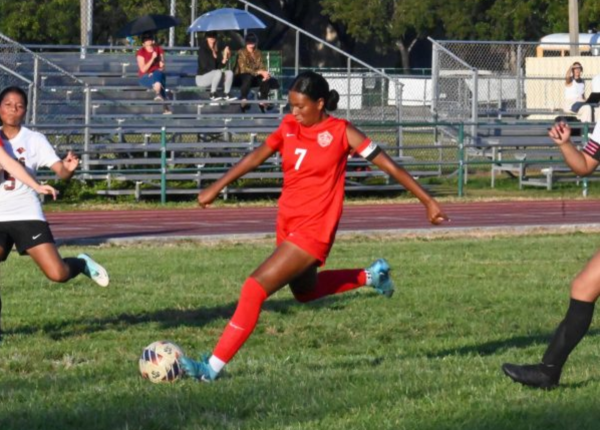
(128, 143)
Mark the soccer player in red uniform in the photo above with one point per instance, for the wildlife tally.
(585, 288)
(314, 147)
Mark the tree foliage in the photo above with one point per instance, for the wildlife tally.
(398, 23)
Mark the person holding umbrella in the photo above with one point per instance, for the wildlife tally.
(151, 64)
(210, 63)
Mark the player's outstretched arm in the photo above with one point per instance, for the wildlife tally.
(245, 165)
(16, 169)
(581, 163)
(389, 166)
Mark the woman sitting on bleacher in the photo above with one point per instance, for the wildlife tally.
(210, 63)
(251, 72)
(151, 64)
(575, 93)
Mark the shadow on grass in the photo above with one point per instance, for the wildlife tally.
(235, 405)
(490, 348)
(167, 318)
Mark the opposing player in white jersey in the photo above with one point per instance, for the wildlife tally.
(22, 221)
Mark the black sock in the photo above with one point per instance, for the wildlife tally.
(76, 266)
(569, 333)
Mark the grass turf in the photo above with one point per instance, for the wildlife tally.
(429, 358)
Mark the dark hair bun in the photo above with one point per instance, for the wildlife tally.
(332, 100)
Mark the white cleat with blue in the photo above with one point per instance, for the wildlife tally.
(95, 271)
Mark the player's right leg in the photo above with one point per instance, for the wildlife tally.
(585, 290)
(285, 264)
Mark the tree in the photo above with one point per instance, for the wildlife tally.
(50, 21)
(388, 23)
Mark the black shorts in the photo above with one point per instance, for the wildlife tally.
(23, 234)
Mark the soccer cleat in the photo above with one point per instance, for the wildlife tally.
(533, 375)
(201, 369)
(379, 272)
(94, 271)
(230, 98)
(214, 97)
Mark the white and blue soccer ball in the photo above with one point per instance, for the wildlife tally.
(159, 362)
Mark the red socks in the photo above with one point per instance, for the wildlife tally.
(253, 295)
(243, 321)
(334, 282)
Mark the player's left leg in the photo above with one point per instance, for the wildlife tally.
(585, 290)
(312, 286)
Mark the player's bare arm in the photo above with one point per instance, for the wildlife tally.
(581, 163)
(65, 169)
(17, 170)
(245, 165)
(386, 164)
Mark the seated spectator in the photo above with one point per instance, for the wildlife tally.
(251, 72)
(575, 93)
(210, 64)
(151, 65)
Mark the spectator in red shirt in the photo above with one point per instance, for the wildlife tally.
(314, 147)
(151, 65)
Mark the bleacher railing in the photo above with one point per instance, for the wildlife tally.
(160, 163)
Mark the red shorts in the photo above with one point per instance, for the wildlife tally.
(305, 240)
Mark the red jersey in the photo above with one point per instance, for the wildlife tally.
(314, 170)
(146, 55)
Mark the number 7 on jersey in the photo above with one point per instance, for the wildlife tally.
(302, 153)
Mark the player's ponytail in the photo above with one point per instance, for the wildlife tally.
(332, 100)
(315, 87)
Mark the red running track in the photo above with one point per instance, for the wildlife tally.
(100, 226)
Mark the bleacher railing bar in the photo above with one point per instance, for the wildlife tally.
(132, 161)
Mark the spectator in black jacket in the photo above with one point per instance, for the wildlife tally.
(211, 61)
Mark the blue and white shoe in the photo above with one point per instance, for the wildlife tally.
(94, 271)
(379, 272)
(201, 370)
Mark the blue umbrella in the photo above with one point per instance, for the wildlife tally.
(226, 19)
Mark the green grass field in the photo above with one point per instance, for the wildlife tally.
(427, 359)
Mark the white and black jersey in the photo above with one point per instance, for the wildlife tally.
(18, 202)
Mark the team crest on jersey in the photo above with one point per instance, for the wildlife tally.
(324, 139)
(21, 150)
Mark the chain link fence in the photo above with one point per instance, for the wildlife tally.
(490, 79)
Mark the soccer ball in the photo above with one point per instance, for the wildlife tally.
(160, 362)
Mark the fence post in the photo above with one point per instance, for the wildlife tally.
(399, 116)
(172, 10)
(163, 165)
(193, 11)
(29, 108)
(88, 116)
(348, 89)
(36, 77)
(584, 140)
(475, 105)
(461, 158)
(519, 77)
(297, 60)
(435, 58)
